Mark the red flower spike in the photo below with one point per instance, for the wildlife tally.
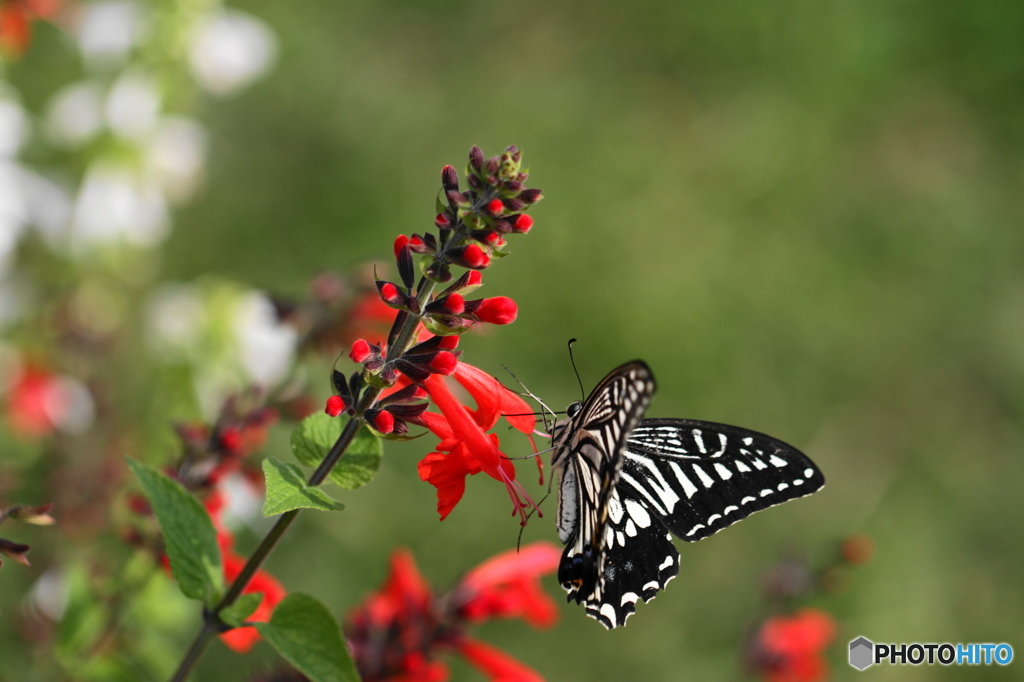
(401, 241)
(335, 405)
(522, 223)
(789, 649)
(497, 310)
(444, 363)
(361, 350)
(495, 207)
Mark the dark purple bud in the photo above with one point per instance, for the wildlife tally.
(476, 157)
(449, 179)
(530, 196)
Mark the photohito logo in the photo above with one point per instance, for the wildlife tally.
(864, 653)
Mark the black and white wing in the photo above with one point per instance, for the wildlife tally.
(588, 451)
(700, 477)
(692, 478)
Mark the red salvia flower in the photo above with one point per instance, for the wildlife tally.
(399, 632)
(789, 649)
(466, 448)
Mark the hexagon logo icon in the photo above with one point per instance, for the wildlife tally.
(862, 653)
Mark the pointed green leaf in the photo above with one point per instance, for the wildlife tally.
(244, 607)
(305, 633)
(287, 490)
(313, 438)
(189, 538)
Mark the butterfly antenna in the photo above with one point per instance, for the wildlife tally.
(540, 402)
(583, 394)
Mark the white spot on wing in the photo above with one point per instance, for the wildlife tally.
(666, 563)
(608, 611)
(748, 441)
(766, 492)
(638, 513)
(748, 499)
(698, 527)
(689, 488)
(777, 461)
(730, 508)
(758, 464)
(699, 440)
(722, 471)
(713, 518)
(783, 486)
(808, 473)
(704, 478)
(629, 598)
(742, 467)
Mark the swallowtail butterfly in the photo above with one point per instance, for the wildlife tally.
(628, 484)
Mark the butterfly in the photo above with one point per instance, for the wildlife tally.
(628, 484)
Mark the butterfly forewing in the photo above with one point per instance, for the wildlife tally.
(626, 483)
(700, 477)
(588, 452)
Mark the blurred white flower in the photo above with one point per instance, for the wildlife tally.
(107, 32)
(50, 594)
(133, 106)
(74, 115)
(114, 203)
(230, 50)
(13, 127)
(72, 409)
(175, 320)
(266, 346)
(176, 156)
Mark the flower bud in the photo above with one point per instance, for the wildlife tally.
(495, 207)
(497, 310)
(476, 158)
(522, 223)
(335, 405)
(361, 350)
(381, 420)
(444, 363)
(449, 179)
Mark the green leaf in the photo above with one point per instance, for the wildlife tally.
(305, 633)
(189, 538)
(287, 490)
(313, 438)
(244, 607)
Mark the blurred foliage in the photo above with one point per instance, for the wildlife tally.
(804, 216)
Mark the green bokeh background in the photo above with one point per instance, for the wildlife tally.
(806, 217)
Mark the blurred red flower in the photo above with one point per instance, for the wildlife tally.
(398, 632)
(789, 648)
(243, 639)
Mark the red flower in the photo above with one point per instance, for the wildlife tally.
(242, 639)
(398, 632)
(35, 402)
(15, 22)
(507, 586)
(466, 448)
(789, 649)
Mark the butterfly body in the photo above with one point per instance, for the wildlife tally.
(629, 484)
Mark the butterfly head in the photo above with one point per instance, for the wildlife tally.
(573, 409)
